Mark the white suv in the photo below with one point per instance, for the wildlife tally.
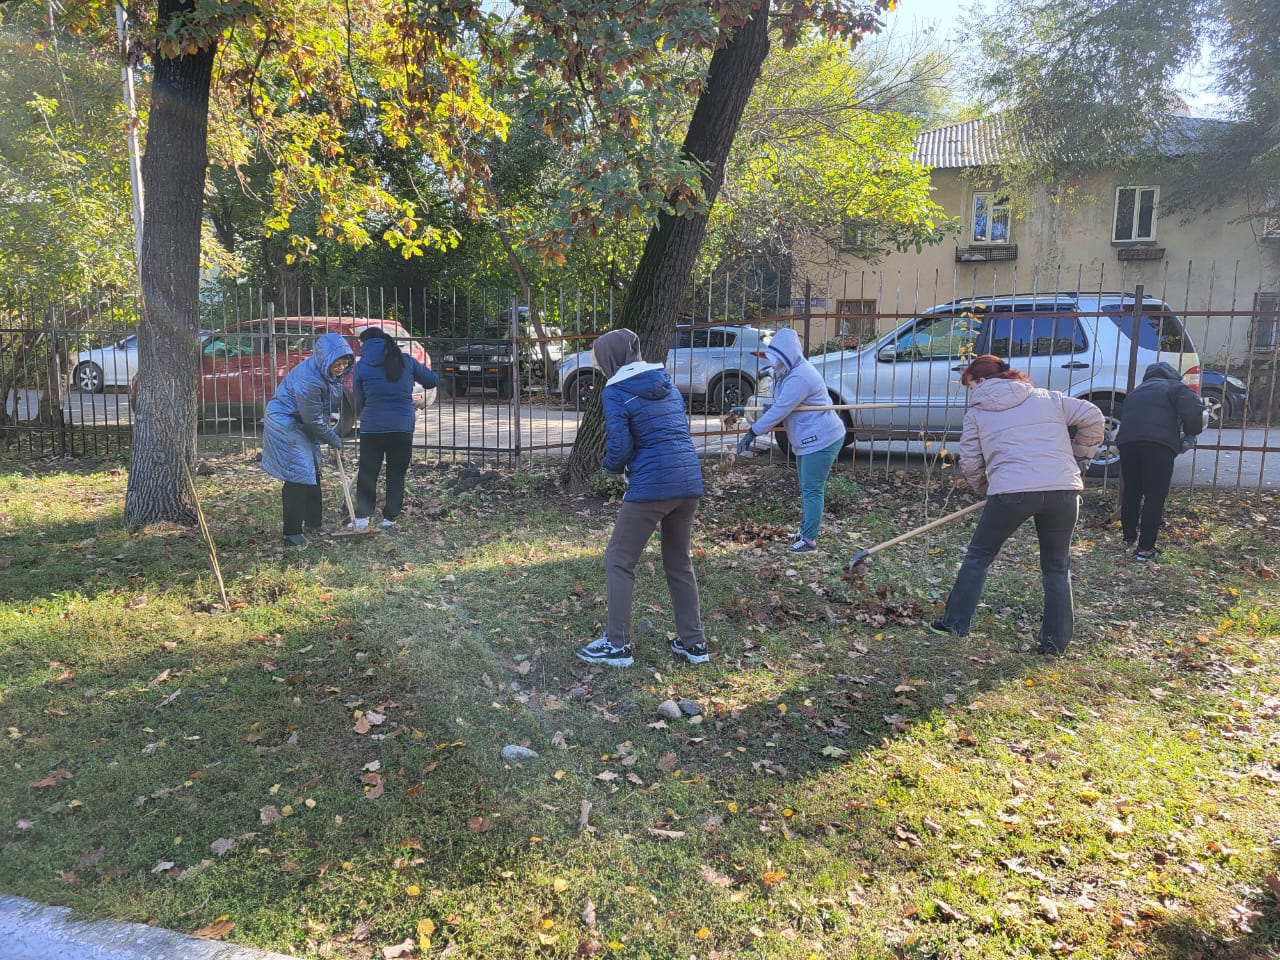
(1079, 344)
(720, 365)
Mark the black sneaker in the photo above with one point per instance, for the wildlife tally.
(803, 546)
(1142, 556)
(694, 652)
(295, 540)
(603, 651)
(1130, 541)
(940, 628)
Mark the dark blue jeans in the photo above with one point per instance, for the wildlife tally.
(1055, 513)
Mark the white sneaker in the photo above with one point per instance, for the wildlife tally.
(361, 523)
(387, 523)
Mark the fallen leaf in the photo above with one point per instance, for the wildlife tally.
(269, 814)
(1047, 908)
(405, 948)
(374, 785)
(668, 762)
(834, 752)
(665, 834)
(772, 878)
(946, 911)
(589, 914)
(216, 930)
(714, 877)
(162, 866)
(479, 824)
(91, 858)
(52, 780)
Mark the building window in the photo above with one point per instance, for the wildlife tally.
(857, 321)
(855, 236)
(1264, 332)
(1135, 214)
(990, 218)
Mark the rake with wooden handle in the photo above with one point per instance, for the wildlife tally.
(353, 530)
(858, 562)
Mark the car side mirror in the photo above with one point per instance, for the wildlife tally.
(887, 353)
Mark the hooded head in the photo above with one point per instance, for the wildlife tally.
(1161, 371)
(330, 348)
(613, 350)
(784, 351)
(381, 350)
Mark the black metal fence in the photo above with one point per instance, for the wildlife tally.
(514, 385)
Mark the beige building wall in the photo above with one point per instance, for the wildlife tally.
(1212, 263)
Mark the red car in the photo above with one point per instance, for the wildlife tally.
(241, 366)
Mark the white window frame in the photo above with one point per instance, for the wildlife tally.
(998, 207)
(1137, 190)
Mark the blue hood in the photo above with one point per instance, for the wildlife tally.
(329, 348)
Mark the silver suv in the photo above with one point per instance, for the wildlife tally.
(1077, 343)
(719, 365)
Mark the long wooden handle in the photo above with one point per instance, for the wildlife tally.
(964, 512)
(346, 488)
(837, 406)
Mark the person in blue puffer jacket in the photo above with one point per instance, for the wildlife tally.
(816, 437)
(648, 443)
(297, 421)
(383, 386)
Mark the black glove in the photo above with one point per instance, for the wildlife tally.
(747, 440)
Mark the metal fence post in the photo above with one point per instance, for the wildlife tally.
(515, 374)
(1139, 294)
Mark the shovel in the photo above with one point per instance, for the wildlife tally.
(858, 562)
(351, 510)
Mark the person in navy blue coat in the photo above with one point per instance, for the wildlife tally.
(648, 444)
(383, 386)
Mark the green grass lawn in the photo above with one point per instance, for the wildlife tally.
(320, 766)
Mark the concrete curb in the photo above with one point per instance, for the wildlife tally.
(32, 931)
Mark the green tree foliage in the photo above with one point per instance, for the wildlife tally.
(1087, 83)
(65, 221)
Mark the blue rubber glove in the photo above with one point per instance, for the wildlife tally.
(747, 440)
(737, 411)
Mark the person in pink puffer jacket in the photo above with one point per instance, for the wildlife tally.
(1018, 450)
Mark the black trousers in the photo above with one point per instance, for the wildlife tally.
(396, 449)
(1147, 470)
(303, 507)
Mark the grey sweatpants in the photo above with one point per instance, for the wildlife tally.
(631, 531)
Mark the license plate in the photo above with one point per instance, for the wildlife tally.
(469, 368)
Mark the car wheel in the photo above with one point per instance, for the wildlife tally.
(88, 377)
(731, 391)
(455, 389)
(1214, 406)
(1106, 462)
(580, 390)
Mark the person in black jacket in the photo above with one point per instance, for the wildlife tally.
(1161, 418)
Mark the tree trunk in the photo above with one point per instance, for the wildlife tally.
(657, 290)
(173, 175)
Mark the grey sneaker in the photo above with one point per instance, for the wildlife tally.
(295, 540)
(1142, 556)
(360, 523)
(386, 524)
(693, 652)
(803, 545)
(603, 651)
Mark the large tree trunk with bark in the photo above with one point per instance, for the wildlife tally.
(173, 175)
(657, 290)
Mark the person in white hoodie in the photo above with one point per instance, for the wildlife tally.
(815, 436)
(1017, 448)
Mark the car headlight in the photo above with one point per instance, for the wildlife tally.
(1234, 381)
(449, 358)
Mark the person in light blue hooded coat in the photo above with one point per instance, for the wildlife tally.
(815, 436)
(297, 422)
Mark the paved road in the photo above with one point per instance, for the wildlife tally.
(483, 426)
(30, 931)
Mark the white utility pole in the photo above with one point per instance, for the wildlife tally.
(131, 130)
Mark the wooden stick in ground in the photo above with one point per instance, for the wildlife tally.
(208, 537)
